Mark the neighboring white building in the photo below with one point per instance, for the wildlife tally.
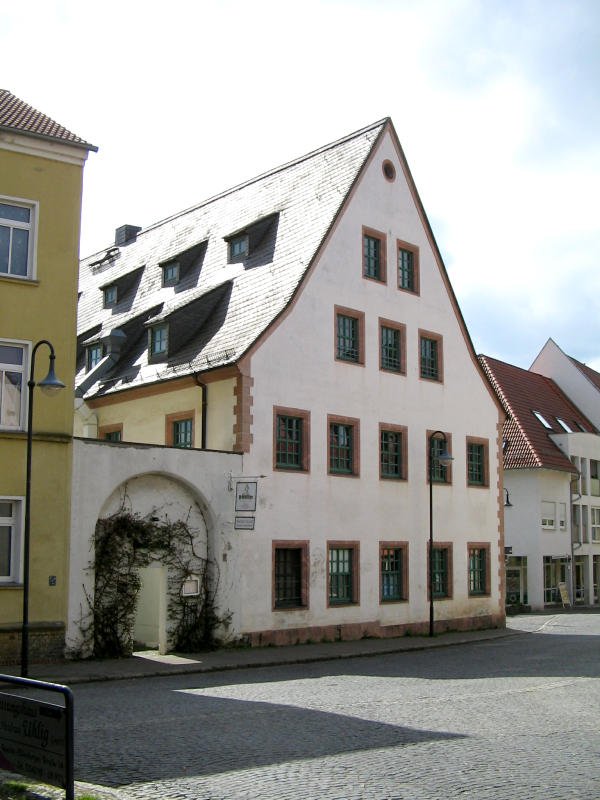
(552, 526)
(306, 321)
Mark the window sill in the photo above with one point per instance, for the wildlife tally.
(10, 585)
(22, 280)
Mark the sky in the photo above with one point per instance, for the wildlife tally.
(496, 104)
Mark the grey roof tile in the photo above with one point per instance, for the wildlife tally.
(303, 197)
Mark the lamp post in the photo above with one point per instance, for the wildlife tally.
(50, 385)
(443, 459)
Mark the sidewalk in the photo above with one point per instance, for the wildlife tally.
(149, 663)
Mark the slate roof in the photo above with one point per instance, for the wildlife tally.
(218, 309)
(19, 117)
(527, 439)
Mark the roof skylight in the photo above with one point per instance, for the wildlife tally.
(564, 425)
(543, 420)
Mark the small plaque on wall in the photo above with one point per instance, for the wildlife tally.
(244, 523)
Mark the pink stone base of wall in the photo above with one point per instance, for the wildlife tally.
(368, 630)
(46, 643)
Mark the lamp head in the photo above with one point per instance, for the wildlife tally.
(51, 385)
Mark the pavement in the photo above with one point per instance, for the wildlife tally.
(151, 664)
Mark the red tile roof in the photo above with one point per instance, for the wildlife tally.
(528, 442)
(590, 373)
(19, 117)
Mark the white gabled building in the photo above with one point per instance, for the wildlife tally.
(306, 321)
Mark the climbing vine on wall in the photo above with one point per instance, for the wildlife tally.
(124, 543)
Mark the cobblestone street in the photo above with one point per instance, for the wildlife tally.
(512, 717)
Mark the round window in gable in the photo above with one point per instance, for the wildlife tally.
(389, 170)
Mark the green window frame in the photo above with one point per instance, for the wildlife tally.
(170, 274)
(289, 442)
(341, 448)
(372, 257)
(391, 453)
(348, 344)
(429, 358)
(341, 575)
(183, 431)
(478, 570)
(110, 296)
(406, 269)
(94, 354)
(440, 571)
(391, 349)
(392, 569)
(159, 340)
(476, 464)
(440, 473)
(288, 569)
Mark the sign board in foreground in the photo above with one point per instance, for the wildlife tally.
(36, 738)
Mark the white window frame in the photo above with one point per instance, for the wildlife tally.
(562, 516)
(548, 519)
(15, 522)
(25, 371)
(31, 226)
(595, 523)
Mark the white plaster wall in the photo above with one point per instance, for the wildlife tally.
(553, 363)
(522, 522)
(295, 367)
(172, 482)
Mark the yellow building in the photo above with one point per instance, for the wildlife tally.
(41, 172)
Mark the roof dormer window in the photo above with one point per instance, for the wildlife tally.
(170, 274)
(564, 425)
(110, 296)
(158, 341)
(94, 354)
(238, 248)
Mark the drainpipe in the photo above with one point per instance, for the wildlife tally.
(203, 411)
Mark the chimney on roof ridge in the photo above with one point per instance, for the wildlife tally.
(126, 234)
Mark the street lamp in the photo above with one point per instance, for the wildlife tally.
(49, 385)
(442, 459)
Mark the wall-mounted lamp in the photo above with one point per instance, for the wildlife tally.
(507, 503)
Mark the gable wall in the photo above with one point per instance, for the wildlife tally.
(295, 367)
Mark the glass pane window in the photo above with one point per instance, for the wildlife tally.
(391, 454)
(595, 517)
(288, 577)
(12, 369)
(372, 257)
(288, 446)
(392, 574)
(238, 247)
(439, 471)
(9, 545)
(110, 296)
(440, 571)
(406, 270)
(182, 433)
(15, 236)
(95, 354)
(429, 358)
(347, 338)
(159, 339)
(112, 436)
(475, 464)
(340, 575)
(477, 570)
(171, 274)
(341, 448)
(390, 349)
